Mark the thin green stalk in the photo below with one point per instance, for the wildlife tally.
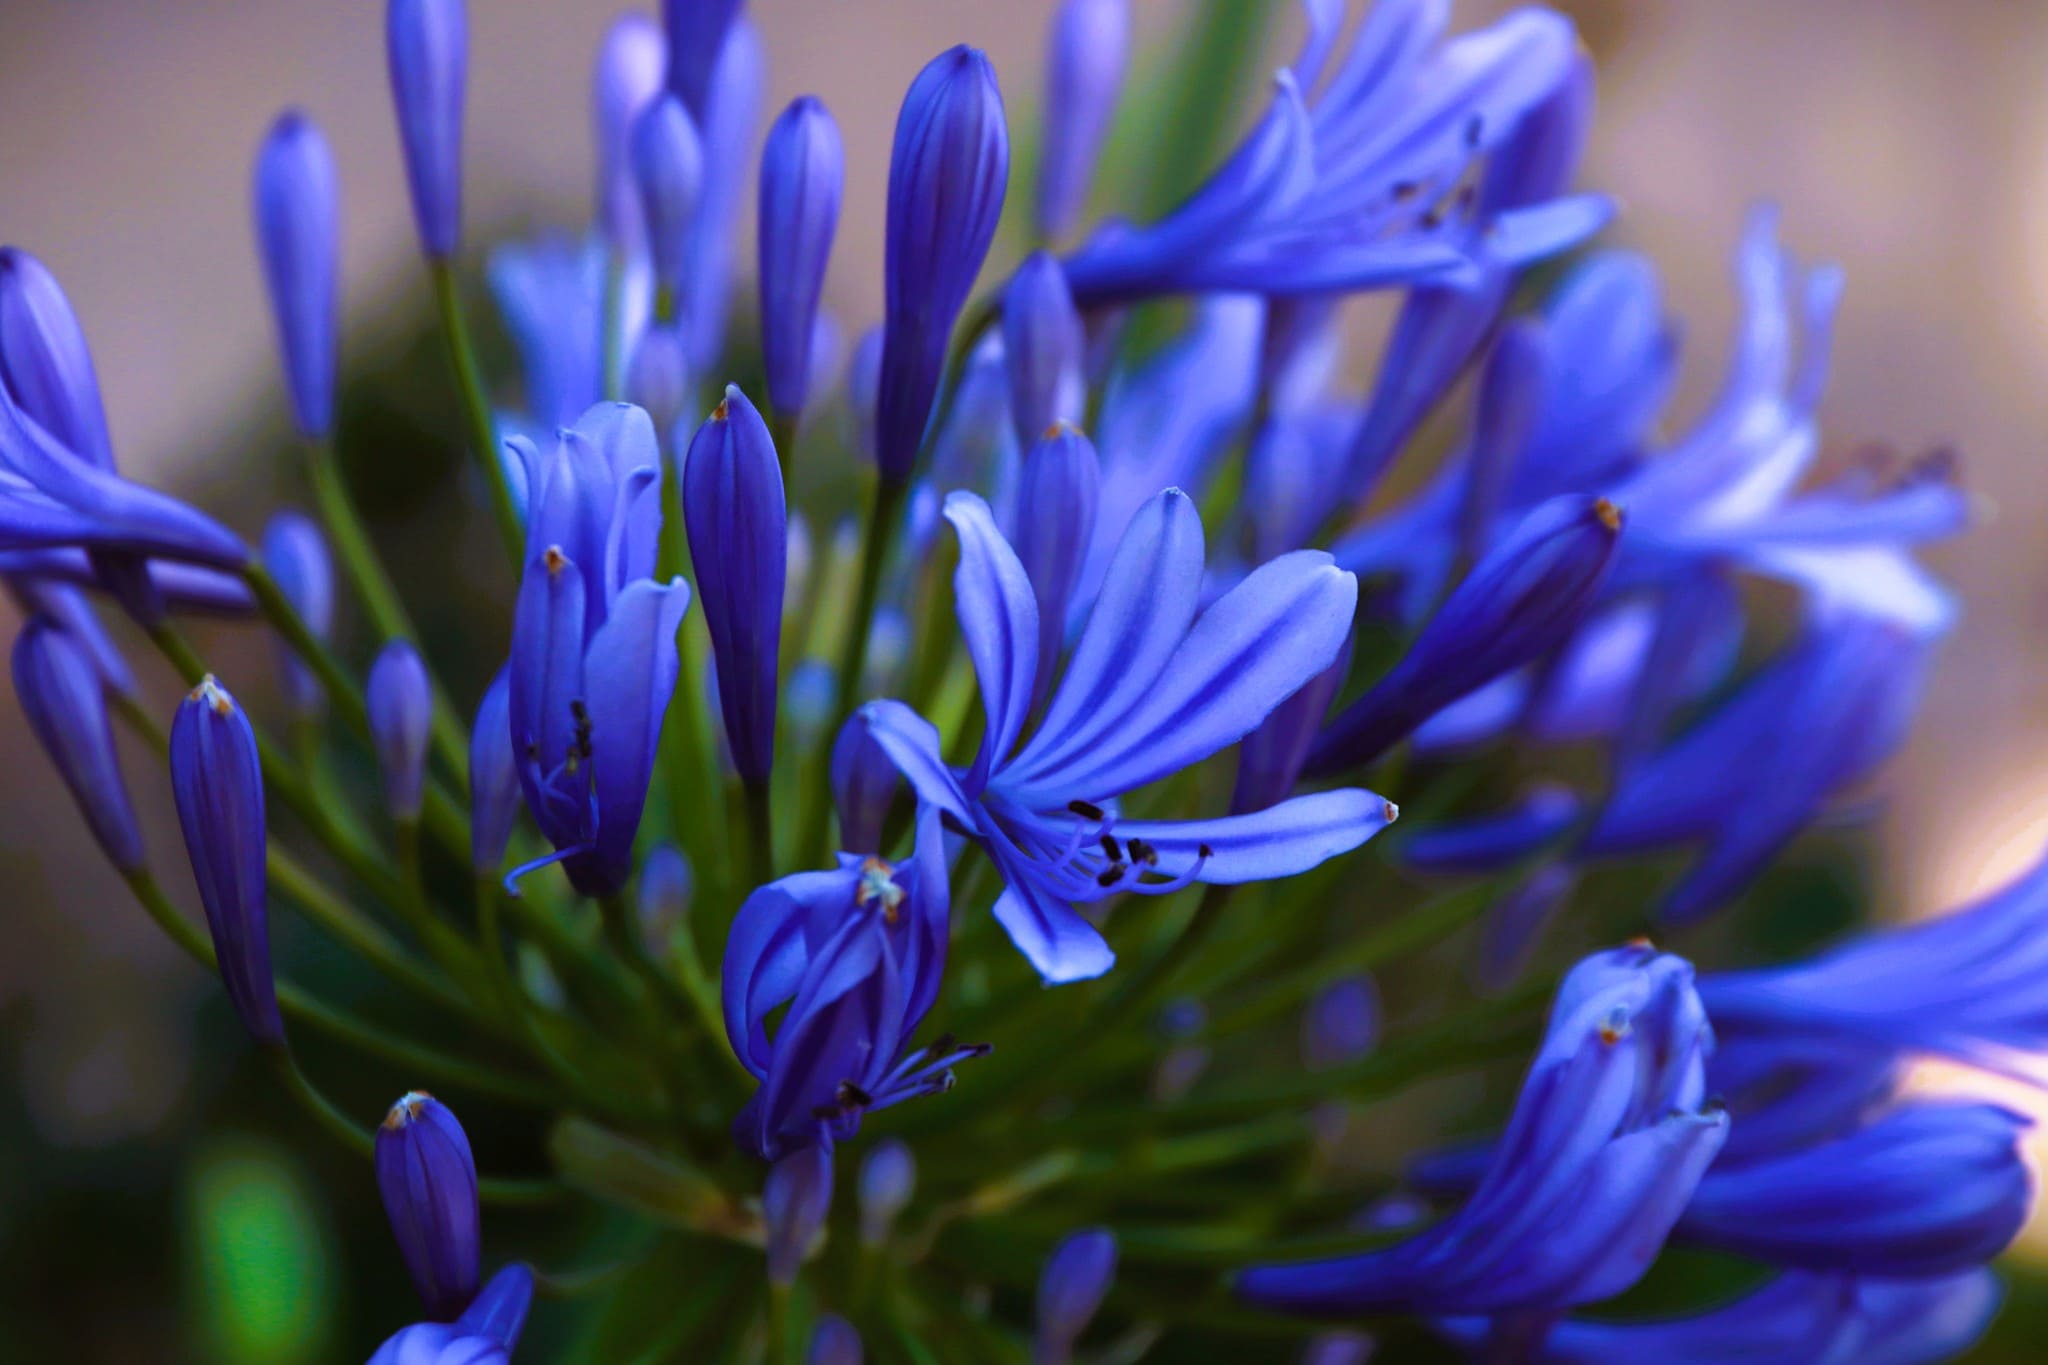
(760, 830)
(351, 541)
(782, 430)
(476, 407)
(778, 1324)
(306, 1008)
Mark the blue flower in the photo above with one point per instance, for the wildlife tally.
(739, 534)
(427, 1179)
(1088, 49)
(697, 31)
(58, 485)
(864, 785)
(1358, 186)
(63, 693)
(1520, 601)
(803, 174)
(550, 292)
(1927, 1189)
(1796, 1319)
(484, 1335)
(1058, 490)
(856, 954)
(1149, 689)
(217, 783)
(593, 642)
(1044, 349)
(1608, 1139)
(947, 174)
(1967, 985)
(400, 698)
(494, 787)
(668, 170)
(1071, 1288)
(298, 233)
(727, 120)
(631, 67)
(426, 45)
(1270, 759)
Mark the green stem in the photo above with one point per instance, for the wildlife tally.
(476, 407)
(760, 830)
(304, 1007)
(778, 1324)
(782, 430)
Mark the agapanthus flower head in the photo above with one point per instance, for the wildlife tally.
(1609, 1137)
(803, 175)
(856, 954)
(400, 698)
(1071, 1288)
(739, 536)
(593, 641)
(64, 696)
(630, 70)
(427, 1178)
(426, 46)
(1150, 688)
(668, 170)
(217, 782)
(1086, 52)
(947, 175)
(298, 233)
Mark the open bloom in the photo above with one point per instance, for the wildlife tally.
(593, 642)
(1151, 688)
(484, 1335)
(1607, 1142)
(856, 954)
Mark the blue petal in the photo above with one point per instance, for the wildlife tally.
(912, 743)
(999, 618)
(630, 674)
(1278, 841)
(1051, 934)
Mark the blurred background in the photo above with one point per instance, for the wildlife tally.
(154, 1194)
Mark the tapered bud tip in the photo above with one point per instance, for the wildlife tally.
(1059, 429)
(1608, 513)
(211, 693)
(553, 560)
(723, 410)
(1392, 812)
(407, 1110)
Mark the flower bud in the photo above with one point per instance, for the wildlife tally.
(69, 610)
(428, 1182)
(1071, 1288)
(795, 1202)
(864, 389)
(668, 168)
(666, 884)
(888, 1178)
(63, 694)
(739, 527)
(834, 1342)
(947, 174)
(401, 704)
(658, 378)
(1270, 758)
(493, 779)
(631, 65)
(295, 556)
(697, 32)
(864, 784)
(1044, 349)
(1057, 496)
(803, 173)
(1341, 1024)
(1084, 71)
(499, 1312)
(426, 45)
(217, 782)
(298, 234)
(1522, 599)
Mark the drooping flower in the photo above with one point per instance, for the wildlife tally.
(1150, 688)
(803, 174)
(947, 175)
(427, 1179)
(298, 234)
(1071, 1288)
(426, 45)
(1609, 1137)
(1357, 184)
(63, 694)
(739, 536)
(217, 783)
(593, 642)
(856, 954)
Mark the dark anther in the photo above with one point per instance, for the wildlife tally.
(1085, 809)
(1111, 875)
(1404, 190)
(942, 1045)
(1142, 852)
(1204, 851)
(1433, 220)
(1109, 848)
(851, 1096)
(947, 1080)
